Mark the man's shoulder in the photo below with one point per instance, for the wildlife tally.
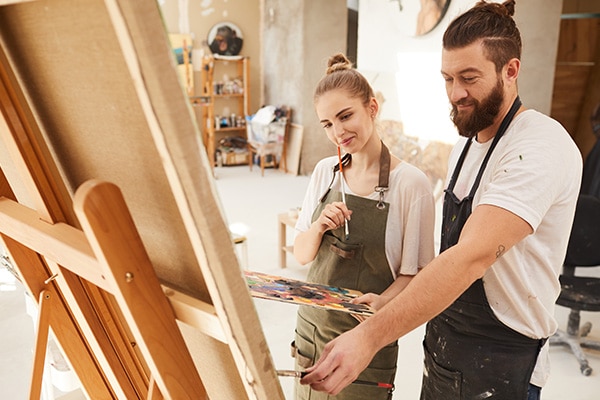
(539, 128)
(531, 117)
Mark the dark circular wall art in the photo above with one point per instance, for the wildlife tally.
(430, 15)
(225, 38)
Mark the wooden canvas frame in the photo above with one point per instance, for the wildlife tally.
(109, 210)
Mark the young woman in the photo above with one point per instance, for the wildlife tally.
(381, 234)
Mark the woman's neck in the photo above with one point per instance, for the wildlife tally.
(368, 157)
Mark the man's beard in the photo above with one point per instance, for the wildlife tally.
(483, 115)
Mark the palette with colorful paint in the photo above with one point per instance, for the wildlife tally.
(272, 287)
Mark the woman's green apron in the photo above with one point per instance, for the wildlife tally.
(357, 263)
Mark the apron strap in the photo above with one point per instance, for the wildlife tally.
(346, 159)
(459, 165)
(384, 174)
(503, 126)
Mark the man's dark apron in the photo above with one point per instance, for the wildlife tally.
(469, 353)
(357, 263)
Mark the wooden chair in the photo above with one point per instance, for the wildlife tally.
(271, 151)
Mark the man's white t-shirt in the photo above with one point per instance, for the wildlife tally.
(535, 173)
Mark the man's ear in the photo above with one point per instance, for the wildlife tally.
(512, 69)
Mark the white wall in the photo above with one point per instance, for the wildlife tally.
(406, 68)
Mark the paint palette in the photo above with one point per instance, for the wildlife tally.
(278, 288)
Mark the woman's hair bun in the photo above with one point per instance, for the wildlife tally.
(338, 62)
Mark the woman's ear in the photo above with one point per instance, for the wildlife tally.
(373, 107)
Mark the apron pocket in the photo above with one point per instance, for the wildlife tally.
(305, 352)
(343, 249)
(337, 263)
(305, 347)
(448, 384)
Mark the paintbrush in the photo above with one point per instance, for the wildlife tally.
(301, 374)
(346, 229)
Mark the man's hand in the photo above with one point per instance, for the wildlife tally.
(343, 359)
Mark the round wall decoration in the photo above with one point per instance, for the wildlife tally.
(226, 39)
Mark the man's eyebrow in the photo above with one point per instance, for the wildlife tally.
(463, 71)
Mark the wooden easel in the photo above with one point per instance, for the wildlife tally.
(126, 272)
(138, 278)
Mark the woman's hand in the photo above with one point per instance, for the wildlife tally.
(376, 301)
(333, 216)
(306, 244)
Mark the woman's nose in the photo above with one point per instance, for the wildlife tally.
(338, 129)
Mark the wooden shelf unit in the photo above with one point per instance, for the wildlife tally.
(225, 91)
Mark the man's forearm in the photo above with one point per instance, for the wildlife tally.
(430, 292)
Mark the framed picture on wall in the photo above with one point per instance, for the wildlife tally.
(226, 39)
(420, 17)
(430, 15)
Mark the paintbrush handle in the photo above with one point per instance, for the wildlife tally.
(346, 228)
(378, 384)
(301, 374)
(291, 373)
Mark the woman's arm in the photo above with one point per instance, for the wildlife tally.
(377, 301)
(306, 244)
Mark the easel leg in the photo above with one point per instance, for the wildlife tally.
(153, 390)
(41, 344)
(109, 227)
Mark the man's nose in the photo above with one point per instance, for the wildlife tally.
(456, 92)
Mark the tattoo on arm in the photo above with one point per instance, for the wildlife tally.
(501, 250)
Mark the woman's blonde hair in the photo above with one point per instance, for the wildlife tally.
(340, 74)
